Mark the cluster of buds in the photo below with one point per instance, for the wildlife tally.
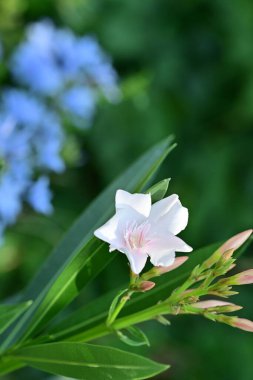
(206, 279)
(221, 262)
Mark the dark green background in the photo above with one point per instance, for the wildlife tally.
(185, 68)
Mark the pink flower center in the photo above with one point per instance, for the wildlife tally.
(136, 236)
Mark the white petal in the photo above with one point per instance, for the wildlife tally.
(107, 232)
(112, 231)
(137, 261)
(139, 202)
(169, 215)
(164, 242)
(163, 259)
(162, 249)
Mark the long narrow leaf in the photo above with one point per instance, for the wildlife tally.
(9, 313)
(86, 361)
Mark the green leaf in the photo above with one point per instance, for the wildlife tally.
(159, 190)
(135, 337)
(9, 313)
(8, 365)
(115, 302)
(80, 257)
(89, 362)
(164, 321)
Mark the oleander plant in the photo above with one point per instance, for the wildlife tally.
(140, 221)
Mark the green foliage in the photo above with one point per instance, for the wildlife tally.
(9, 313)
(133, 336)
(159, 190)
(79, 257)
(75, 326)
(86, 361)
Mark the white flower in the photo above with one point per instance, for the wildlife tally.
(140, 229)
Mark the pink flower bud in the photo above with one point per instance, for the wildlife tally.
(242, 278)
(146, 285)
(236, 241)
(211, 303)
(158, 271)
(243, 324)
(226, 250)
(177, 263)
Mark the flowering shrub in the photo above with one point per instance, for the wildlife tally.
(63, 76)
(145, 224)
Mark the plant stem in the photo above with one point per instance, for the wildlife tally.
(119, 307)
(124, 322)
(134, 278)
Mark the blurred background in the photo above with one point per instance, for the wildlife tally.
(69, 125)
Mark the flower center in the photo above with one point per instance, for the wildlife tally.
(136, 236)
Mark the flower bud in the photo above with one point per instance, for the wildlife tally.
(236, 241)
(145, 286)
(177, 263)
(243, 324)
(217, 305)
(216, 257)
(158, 271)
(226, 250)
(242, 278)
(227, 255)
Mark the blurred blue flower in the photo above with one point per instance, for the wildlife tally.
(34, 63)
(22, 107)
(72, 70)
(31, 139)
(79, 102)
(64, 76)
(10, 199)
(39, 196)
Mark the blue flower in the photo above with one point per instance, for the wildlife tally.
(97, 66)
(71, 70)
(34, 63)
(64, 76)
(39, 196)
(79, 102)
(31, 139)
(22, 107)
(10, 199)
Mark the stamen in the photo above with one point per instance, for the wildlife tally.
(136, 236)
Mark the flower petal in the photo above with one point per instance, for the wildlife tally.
(166, 242)
(139, 202)
(162, 248)
(169, 215)
(163, 259)
(107, 232)
(137, 261)
(112, 231)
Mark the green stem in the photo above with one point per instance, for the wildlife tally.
(119, 307)
(178, 293)
(134, 278)
(124, 322)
